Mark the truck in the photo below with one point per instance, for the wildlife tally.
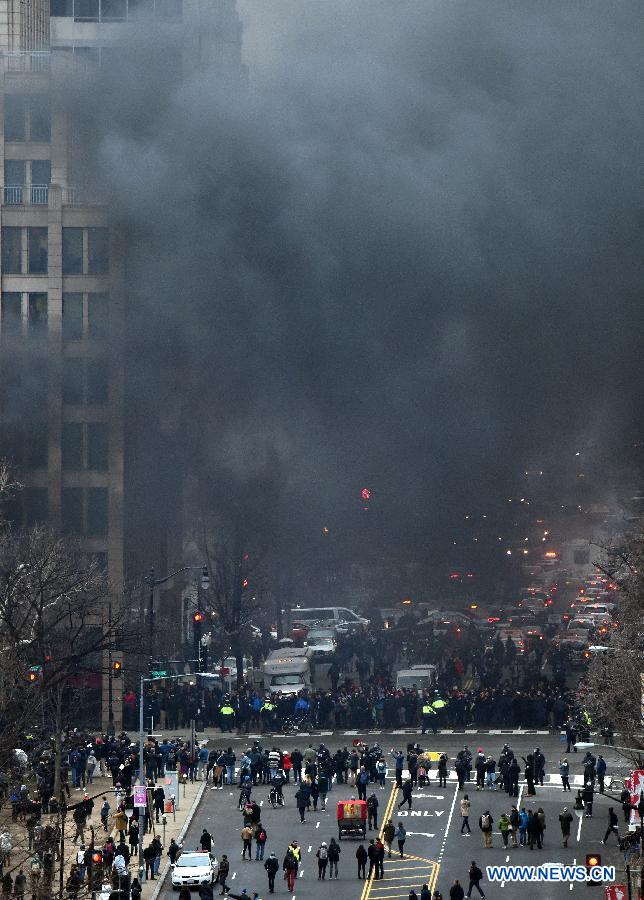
(288, 670)
(420, 676)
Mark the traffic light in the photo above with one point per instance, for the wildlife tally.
(198, 617)
(117, 668)
(592, 861)
(96, 879)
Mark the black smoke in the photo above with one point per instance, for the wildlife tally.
(405, 254)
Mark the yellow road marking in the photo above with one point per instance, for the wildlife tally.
(390, 804)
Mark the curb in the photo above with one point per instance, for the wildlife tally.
(179, 838)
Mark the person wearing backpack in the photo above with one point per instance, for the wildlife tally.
(290, 866)
(475, 878)
(504, 828)
(260, 841)
(334, 857)
(485, 824)
(323, 860)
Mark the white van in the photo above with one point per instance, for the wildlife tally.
(340, 616)
(420, 677)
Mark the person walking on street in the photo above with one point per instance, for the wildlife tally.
(290, 866)
(514, 825)
(361, 856)
(323, 860)
(302, 798)
(523, 827)
(260, 841)
(401, 837)
(407, 789)
(600, 768)
(475, 875)
(504, 828)
(466, 806)
(587, 796)
(456, 891)
(372, 811)
(486, 824)
(334, 857)
(247, 841)
(565, 821)
(222, 874)
(272, 866)
(613, 825)
(389, 833)
(625, 800)
(564, 772)
(372, 855)
(380, 859)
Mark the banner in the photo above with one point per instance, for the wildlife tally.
(635, 785)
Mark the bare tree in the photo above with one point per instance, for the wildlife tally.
(54, 616)
(612, 687)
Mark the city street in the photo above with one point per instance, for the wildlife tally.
(435, 851)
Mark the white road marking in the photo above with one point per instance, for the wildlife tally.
(507, 859)
(581, 819)
(421, 833)
(261, 802)
(430, 796)
(449, 821)
(317, 824)
(233, 876)
(310, 848)
(439, 812)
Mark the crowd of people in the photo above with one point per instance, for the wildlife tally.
(541, 704)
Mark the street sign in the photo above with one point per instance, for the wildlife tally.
(159, 673)
(140, 796)
(615, 892)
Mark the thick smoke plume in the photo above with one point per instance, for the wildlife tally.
(406, 254)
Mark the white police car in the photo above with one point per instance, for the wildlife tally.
(193, 868)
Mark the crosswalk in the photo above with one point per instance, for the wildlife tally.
(354, 732)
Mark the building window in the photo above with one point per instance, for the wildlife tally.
(40, 118)
(72, 317)
(14, 180)
(36, 506)
(84, 381)
(72, 445)
(11, 250)
(96, 512)
(11, 313)
(61, 7)
(37, 446)
(72, 251)
(97, 315)
(37, 315)
(97, 390)
(73, 378)
(37, 238)
(97, 446)
(98, 252)
(72, 510)
(14, 117)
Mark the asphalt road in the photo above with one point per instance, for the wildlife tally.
(435, 852)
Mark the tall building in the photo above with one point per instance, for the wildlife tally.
(64, 296)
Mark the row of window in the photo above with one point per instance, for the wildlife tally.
(84, 315)
(85, 381)
(85, 446)
(27, 117)
(18, 172)
(25, 251)
(84, 511)
(115, 10)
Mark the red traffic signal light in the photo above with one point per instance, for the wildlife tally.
(592, 861)
(97, 857)
(117, 667)
(198, 617)
(32, 677)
